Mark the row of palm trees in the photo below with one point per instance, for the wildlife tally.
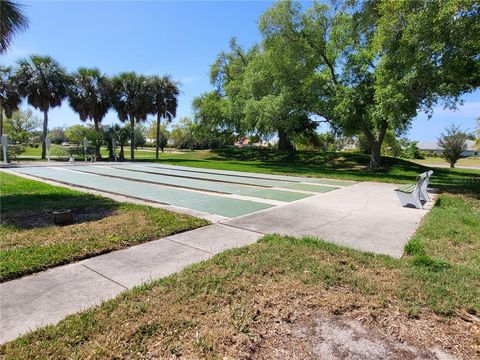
(45, 84)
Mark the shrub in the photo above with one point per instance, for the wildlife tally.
(60, 152)
(411, 151)
(454, 143)
(13, 151)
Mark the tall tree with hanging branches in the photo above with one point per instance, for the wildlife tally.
(12, 22)
(370, 66)
(90, 95)
(132, 101)
(164, 91)
(9, 97)
(44, 83)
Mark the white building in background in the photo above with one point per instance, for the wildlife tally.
(432, 146)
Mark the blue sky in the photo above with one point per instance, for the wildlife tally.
(180, 38)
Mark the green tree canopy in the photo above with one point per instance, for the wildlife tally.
(90, 95)
(20, 125)
(376, 63)
(164, 91)
(453, 142)
(365, 67)
(76, 133)
(44, 83)
(9, 96)
(132, 101)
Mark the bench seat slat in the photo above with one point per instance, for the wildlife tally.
(409, 188)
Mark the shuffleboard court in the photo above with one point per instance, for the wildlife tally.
(213, 204)
(256, 175)
(226, 188)
(226, 193)
(223, 178)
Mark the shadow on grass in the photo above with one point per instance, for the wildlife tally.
(39, 219)
(27, 211)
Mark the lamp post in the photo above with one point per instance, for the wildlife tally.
(4, 147)
(48, 143)
(85, 145)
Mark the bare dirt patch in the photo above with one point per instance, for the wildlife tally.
(298, 322)
(337, 337)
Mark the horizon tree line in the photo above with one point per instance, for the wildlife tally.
(45, 84)
(366, 68)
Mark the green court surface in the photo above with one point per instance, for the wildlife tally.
(189, 183)
(188, 199)
(226, 193)
(309, 187)
(255, 175)
(219, 177)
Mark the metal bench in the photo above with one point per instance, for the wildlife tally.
(414, 193)
(423, 188)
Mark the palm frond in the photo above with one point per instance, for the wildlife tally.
(90, 94)
(12, 21)
(9, 97)
(42, 80)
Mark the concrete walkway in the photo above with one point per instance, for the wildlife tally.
(366, 216)
(47, 297)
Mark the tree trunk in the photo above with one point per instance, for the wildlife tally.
(1, 121)
(98, 155)
(375, 155)
(158, 135)
(1, 128)
(284, 143)
(44, 134)
(132, 141)
(122, 153)
(375, 143)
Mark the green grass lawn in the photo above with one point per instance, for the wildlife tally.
(144, 153)
(235, 304)
(470, 161)
(30, 242)
(31, 151)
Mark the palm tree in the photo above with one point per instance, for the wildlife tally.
(113, 135)
(12, 21)
(9, 97)
(90, 96)
(131, 100)
(124, 134)
(164, 93)
(44, 82)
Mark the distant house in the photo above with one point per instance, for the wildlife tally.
(432, 146)
(242, 142)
